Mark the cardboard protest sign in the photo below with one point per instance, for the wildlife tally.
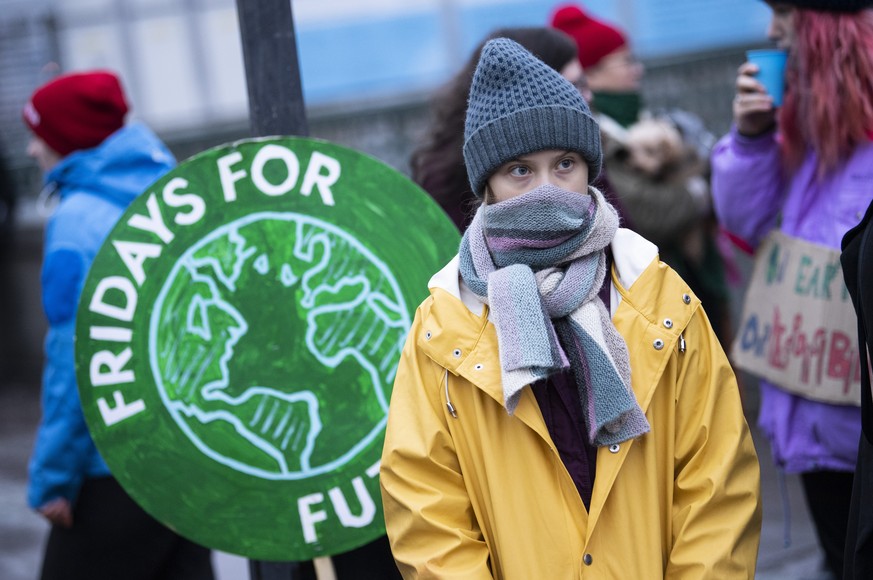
(238, 336)
(798, 329)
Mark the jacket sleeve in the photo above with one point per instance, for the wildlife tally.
(716, 509)
(62, 446)
(747, 184)
(428, 514)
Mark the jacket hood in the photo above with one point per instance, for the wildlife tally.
(117, 168)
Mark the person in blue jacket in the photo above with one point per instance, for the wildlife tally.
(96, 166)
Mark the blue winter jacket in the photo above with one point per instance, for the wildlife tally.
(95, 187)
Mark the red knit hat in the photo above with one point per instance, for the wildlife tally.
(76, 111)
(595, 38)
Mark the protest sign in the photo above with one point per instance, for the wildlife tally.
(237, 340)
(798, 328)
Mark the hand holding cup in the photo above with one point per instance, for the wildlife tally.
(754, 104)
(771, 71)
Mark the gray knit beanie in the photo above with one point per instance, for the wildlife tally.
(519, 105)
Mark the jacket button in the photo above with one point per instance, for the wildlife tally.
(457, 353)
(614, 448)
(588, 559)
(428, 335)
(668, 323)
(658, 344)
(686, 298)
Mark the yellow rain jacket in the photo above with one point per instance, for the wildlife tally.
(471, 492)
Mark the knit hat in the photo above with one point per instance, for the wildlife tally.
(519, 105)
(76, 111)
(595, 38)
(830, 5)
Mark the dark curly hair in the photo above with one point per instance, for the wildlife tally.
(438, 164)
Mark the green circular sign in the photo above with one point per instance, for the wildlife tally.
(237, 340)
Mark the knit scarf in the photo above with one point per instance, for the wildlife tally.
(538, 260)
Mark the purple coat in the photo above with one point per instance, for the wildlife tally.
(751, 191)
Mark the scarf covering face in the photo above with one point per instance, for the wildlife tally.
(538, 260)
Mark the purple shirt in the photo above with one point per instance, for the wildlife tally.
(558, 399)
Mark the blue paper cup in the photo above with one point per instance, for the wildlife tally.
(771, 71)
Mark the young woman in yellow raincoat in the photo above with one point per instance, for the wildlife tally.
(562, 408)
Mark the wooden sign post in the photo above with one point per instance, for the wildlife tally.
(275, 108)
(272, 68)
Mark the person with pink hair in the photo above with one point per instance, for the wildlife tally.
(806, 168)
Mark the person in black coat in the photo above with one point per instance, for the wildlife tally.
(857, 262)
